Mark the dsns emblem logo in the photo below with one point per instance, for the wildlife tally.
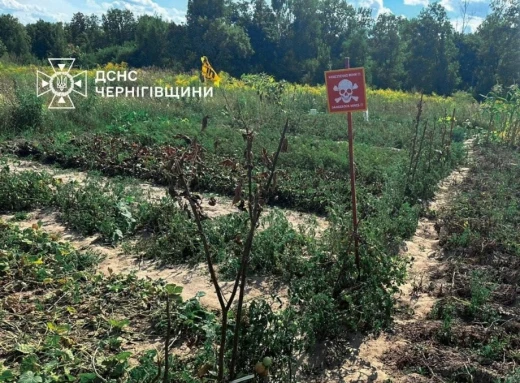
(61, 83)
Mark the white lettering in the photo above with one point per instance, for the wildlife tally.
(100, 76)
(198, 92)
(208, 92)
(121, 76)
(170, 93)
(185, 92)
(130, 74)
(108, 75)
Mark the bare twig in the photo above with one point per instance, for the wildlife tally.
(93, 361)
(249, 241)
(167, 340)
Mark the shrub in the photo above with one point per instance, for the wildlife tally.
(24, 191)
(27, 113)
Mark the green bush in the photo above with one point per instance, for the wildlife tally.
(174, 236)
(27, 112)
(98, 208)
(25, 190)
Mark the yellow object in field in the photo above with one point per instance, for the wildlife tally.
(208, 72)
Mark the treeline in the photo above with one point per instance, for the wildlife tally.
(292, 40)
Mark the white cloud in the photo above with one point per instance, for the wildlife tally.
(471, 23)
(424, 3)
(377, 6)
(448, 4)
(147, 7)
(13, 5)
(29, 11)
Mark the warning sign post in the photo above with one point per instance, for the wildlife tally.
(346, 93)
(346, 90)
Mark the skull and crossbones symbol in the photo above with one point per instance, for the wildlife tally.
(345, 89)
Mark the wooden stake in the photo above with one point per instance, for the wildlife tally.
(353, 182)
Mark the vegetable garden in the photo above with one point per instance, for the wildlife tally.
(255, 149)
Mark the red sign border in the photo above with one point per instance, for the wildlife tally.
(364, 89)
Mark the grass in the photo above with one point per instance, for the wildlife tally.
(63, 322)
(399, 161)
(477, 317)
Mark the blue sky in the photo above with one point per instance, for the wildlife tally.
(28, 11)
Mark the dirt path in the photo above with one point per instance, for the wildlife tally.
(193, 279)
(416, 298)
(223, 205)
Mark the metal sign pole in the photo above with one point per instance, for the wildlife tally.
(353, 181)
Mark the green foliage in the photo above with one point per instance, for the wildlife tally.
(387, 52)
(494, 349)
(47, 39)
(477, 233)
(496, 50)
(53, 349)
(136, 137)
(25, 190)
(431, 64)
(513, 378)
(3, 48)
(27, 113)
(14, 35)
(266, 87)
(295, 41)
(38, 257)
(150, 40)
(97, 208)
(480, 293)
(174, 236)
(270, 331)
(446, 312)
(502, 108)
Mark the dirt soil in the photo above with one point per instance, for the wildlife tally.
(223, 206)
(367, 362)
(193, 279)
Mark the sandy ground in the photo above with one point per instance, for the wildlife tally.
(423, 250)
(223, 205)
(365, 364)
(193, 279)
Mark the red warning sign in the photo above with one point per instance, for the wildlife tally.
(346, 91)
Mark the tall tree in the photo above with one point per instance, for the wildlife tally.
(228, 45)
(77, 29)
(356, 44)
(177, 48)
(301, 60)
(47, 39)
(431, 64)
(261, 29)
(337, 20)
(14, 36)
(151, 32)
(204, 9)
(387, 52)
(118, 26)
(467, 57)
(499, 51)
